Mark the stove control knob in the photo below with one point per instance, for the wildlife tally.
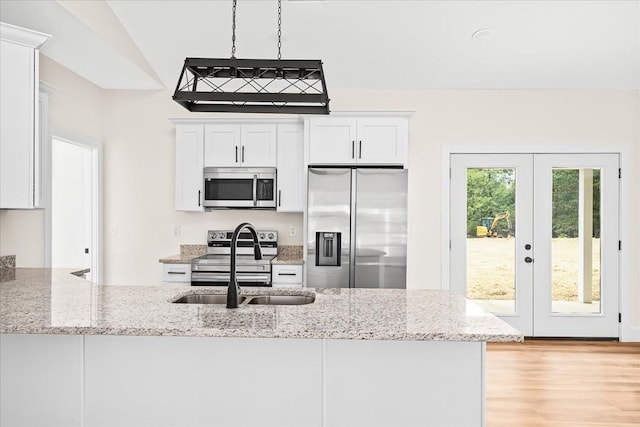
(221, 235)
(261, 236)
(213, 236)
(271, 236)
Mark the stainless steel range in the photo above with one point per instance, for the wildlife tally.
(213, 269)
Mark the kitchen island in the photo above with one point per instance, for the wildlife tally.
(74, 353)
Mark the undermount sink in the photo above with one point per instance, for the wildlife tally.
(206, 299)
(281, 300)
(246, 299)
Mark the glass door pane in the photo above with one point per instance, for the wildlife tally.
(491, 234)
(491, 251)
(576, 199)
(575, 240)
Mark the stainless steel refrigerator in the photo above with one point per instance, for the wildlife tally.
(357, 228)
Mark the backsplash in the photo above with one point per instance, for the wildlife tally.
(193, 250)
(8, 261)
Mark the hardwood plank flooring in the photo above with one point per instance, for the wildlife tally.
(563, 384)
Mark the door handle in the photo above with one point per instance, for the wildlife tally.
(528, 260)
(199, 192)
(359, 149)
(243, 154)
(236, 154)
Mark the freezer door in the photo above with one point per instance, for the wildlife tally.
(381, 228)
(328, 216)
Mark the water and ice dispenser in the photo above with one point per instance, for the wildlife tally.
(328, 248)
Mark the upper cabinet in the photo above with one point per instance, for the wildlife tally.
(19, 115)
(358, 141)
(291, 196)
(250, 145)
(189, 164)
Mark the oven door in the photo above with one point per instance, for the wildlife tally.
(240, 188)
(199, 278)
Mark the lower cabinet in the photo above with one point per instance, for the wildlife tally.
(176, 273)
(286, 276)
(163, 381)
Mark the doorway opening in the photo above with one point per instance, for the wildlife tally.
(75, 207)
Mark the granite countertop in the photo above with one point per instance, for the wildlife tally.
(289, 255)
(187, 253)
(53, 301)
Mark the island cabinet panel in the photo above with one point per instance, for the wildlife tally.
(404, 383)
(40, 380)
(202, 381)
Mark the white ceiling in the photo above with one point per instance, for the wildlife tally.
(364, 44)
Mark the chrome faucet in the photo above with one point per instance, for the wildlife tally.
(233, 291)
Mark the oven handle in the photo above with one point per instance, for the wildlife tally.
(255, 190)
(224, 277)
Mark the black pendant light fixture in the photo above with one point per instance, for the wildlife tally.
(291, 86)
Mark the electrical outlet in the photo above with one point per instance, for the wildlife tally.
(176, 231)
(292, 231)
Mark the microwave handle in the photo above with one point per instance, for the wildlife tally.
(255, 190)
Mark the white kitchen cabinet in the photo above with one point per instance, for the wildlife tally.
(176, 273)
(286, 275)
(19, 115)
(189, 165)
(250, 145)
(358, 141)
(290, 168)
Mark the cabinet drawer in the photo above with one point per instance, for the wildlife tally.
(286, 274)
(176, 273)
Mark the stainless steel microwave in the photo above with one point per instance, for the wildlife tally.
(228, 188)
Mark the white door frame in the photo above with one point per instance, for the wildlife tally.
(626, 306)
(96, 203)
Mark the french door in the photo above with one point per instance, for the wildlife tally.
(534, 240)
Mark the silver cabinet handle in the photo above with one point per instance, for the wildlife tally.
(199, 193)
(177, 272)
(359, 149)
(236, 154)
(255, 190)
(286, 274)
(353, 149)
(279, 198)
(243, 154)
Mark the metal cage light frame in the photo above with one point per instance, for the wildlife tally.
(289, 86)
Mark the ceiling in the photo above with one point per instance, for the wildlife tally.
(367, 44)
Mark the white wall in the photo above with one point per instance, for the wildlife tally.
(139, 164)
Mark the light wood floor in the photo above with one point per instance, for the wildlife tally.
(563, 384)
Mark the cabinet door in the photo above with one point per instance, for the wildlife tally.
(381, 141)
(222, 145)
(17, 136)
(332, 141)
(189, 164)
(259, 146)
(290, 168)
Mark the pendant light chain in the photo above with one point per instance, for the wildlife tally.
(233, 29)
(279, 28)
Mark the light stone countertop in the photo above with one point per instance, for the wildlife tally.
(289, 255)
(53, 301)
